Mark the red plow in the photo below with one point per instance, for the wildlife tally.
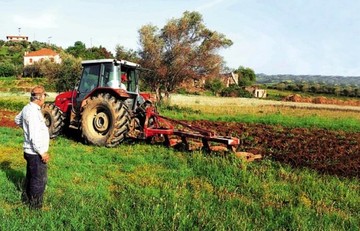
(179, 134)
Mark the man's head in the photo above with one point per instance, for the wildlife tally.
(38, 95)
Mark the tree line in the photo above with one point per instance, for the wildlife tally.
(330, 85)
(184, 48)
(320, 79)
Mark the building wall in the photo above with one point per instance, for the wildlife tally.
(260, 93)
(17, 38)
(30, 60)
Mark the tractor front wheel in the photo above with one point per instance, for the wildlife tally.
(104, 120)
(54, 119)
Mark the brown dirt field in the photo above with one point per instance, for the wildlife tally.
(328, 152)
(321, 100)
(7, 118)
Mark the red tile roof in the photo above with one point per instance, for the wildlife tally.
(42, 52)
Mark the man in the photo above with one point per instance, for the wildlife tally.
(36, 145)
(123, 81)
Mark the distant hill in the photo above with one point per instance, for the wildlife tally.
(321, 79)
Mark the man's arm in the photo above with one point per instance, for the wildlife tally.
(19, 120)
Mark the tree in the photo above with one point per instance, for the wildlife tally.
(97, 53)
(214, 85)
(126, 54)
(78, 50)
(247, 76)
(184, 48)
(36, 45)
(235, 91)
(7, 69)
(280, 86)
(65, 75)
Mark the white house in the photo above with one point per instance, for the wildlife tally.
(43, 54)
(17, 38)
(257, 92)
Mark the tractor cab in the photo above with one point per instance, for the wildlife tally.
(108, 75)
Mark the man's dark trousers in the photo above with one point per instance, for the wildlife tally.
(35, 181)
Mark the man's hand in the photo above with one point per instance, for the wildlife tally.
(45, 157)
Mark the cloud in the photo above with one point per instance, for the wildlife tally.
(44, 20)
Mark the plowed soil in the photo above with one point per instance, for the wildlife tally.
(7, 118)
(328, 152)
(321, 100)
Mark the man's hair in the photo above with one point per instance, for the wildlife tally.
(37, 92)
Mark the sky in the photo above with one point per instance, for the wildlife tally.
(299, 37)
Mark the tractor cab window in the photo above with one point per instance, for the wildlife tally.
(112, 76)
(89, 79)
(128, 78)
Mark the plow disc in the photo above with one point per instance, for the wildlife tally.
(186, 137)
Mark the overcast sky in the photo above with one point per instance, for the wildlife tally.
(270, 36)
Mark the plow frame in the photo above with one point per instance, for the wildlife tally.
(156, 124)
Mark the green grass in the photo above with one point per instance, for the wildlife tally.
(14, 84)
(150, 187)
(17, 105)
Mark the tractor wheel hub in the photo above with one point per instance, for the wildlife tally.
(101, 122)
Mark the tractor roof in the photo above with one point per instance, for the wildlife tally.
(122, 62)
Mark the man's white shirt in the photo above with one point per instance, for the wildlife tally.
(36, 133)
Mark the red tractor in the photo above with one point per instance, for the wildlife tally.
(107, 107)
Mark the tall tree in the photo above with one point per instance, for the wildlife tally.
(247, 76)
(184, 48)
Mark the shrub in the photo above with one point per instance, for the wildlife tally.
(235, 91)
(214, 85)
(68, 73)
(7, 70)
(182, 91)
(32, 71)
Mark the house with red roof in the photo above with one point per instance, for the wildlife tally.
(41, 55)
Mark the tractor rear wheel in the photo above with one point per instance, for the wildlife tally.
(54, 119)
(104, 120)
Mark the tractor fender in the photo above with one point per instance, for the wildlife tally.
(64, 100)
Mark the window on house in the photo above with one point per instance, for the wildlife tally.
(31, 61)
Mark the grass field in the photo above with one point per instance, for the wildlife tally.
(147, 187)
(138, 186)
